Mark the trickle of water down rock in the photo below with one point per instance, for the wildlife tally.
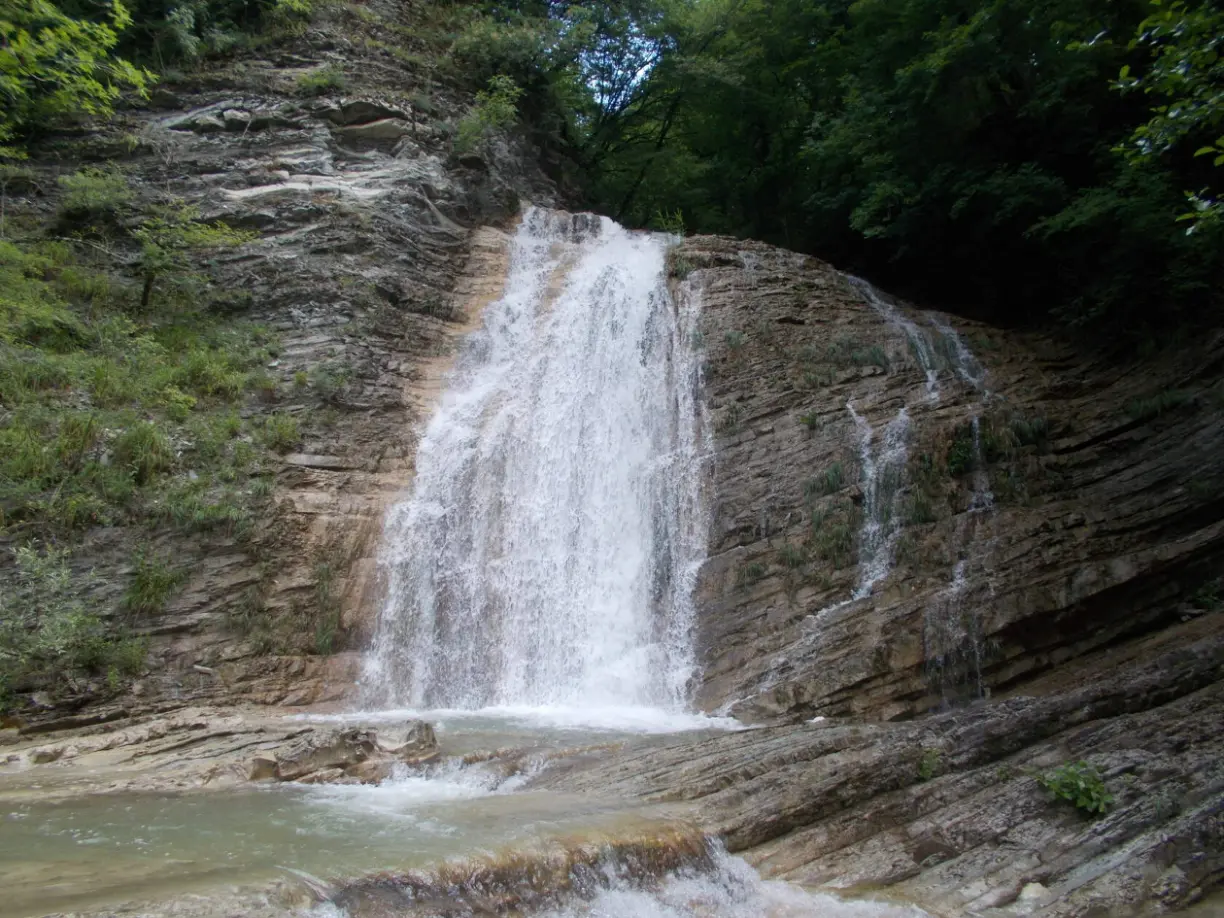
(547, 553)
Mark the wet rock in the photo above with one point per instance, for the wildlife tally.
(330, 749)
(46, 754)
(262, 767)
(412, 744)
(370, 772)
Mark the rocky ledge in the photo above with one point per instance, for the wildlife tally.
(205, 749)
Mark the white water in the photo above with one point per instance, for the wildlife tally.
(727, 888)
(883, 474)
(546, 556)
(918, 341)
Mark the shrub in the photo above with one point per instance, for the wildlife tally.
(930, 764)
(734, 340)
(810, 420)
(328, 380)
(919, 509)
(832, 479)
(679, 266)
(93, 193)
(281, 432)
(145, 450)
(751, 573)
(496, 109)
(960, 452)
(153, 582)
(178, 404)
(47, 634)
(873, 356)
(1080, 784)
(326, 615)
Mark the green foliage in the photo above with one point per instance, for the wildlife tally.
(281, 432)
(734, 340)
(49, 637)
(792, 556)
(100, 411)
(810, 420)
(329, 379)
(795, 122)
(1153, 406)
(1080, 784)
(752, 573)
(679, 266)
(671, 222)
(170, 240)
(960, 451)
(1209, 597)
(153, 582)
(496, 109)
(1184, 80)
(930, 764)
(145, 449)
(92, 193)
(55, 68)
(326, 614)
(322, 80)
(832, 534)
(833, 479)
(919, 508)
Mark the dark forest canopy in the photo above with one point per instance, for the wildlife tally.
(1012, 159)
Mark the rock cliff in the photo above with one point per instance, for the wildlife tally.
(946, 561)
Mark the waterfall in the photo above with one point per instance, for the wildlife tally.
(919, 344)
(883, 473)
(549, 547)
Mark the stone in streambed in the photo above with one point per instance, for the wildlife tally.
(320, 751)
(415, 745)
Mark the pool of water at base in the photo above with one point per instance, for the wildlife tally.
(96, 851)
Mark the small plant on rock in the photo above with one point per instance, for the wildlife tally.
(751, 573)
(930, 764)
(153, 582)
(1080, 784)
(792, 556)
(321, 81)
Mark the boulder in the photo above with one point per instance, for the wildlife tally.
(386, 129)
(414, 744)
(262, 767)
(360, 111)
(337, 748)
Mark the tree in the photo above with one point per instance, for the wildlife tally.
(1186, 79)
(54, 67)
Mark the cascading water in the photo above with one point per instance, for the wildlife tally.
(548, 551)
(919, 344)
(883, 472)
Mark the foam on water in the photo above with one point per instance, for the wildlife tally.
(725, 888)
(612, 719)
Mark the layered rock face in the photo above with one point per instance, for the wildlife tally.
(912, 512)
(946, 561)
